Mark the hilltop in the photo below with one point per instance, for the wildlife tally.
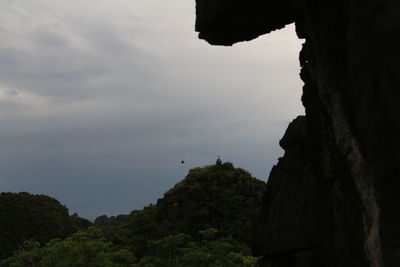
(203, 220)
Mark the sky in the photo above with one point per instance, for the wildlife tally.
(101, 100)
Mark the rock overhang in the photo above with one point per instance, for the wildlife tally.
(225, 22)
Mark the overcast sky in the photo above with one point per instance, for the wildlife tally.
(101, 100)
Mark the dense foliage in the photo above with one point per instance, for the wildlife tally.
(24, 216)
(79, 223)
(218, 196)
(82, 249)
(207, 249)
(202, 221)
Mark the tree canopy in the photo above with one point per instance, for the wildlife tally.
(204, 220)
(82, 249)
(217, 196)
(25, 216)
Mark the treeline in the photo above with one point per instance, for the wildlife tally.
(205, 220)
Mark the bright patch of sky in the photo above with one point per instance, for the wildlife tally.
(100, 101)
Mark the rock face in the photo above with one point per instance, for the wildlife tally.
(333, 199)
(291, 211)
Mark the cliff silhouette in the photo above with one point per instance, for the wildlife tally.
(333, 199)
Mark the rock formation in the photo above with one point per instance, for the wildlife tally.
(333, 199)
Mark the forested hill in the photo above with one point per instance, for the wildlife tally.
(218, 196)
(204, 220)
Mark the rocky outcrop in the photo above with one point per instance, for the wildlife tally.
(291, 208)
(343, 157)
(224, 22)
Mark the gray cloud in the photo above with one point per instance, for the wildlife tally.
(98, 104)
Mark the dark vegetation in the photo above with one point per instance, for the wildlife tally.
(204, 220)
(24, 216)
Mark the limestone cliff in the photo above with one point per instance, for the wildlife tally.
(333, 199)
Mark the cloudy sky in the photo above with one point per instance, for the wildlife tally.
(101, 100)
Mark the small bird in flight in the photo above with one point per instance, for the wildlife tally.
(182, 161)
